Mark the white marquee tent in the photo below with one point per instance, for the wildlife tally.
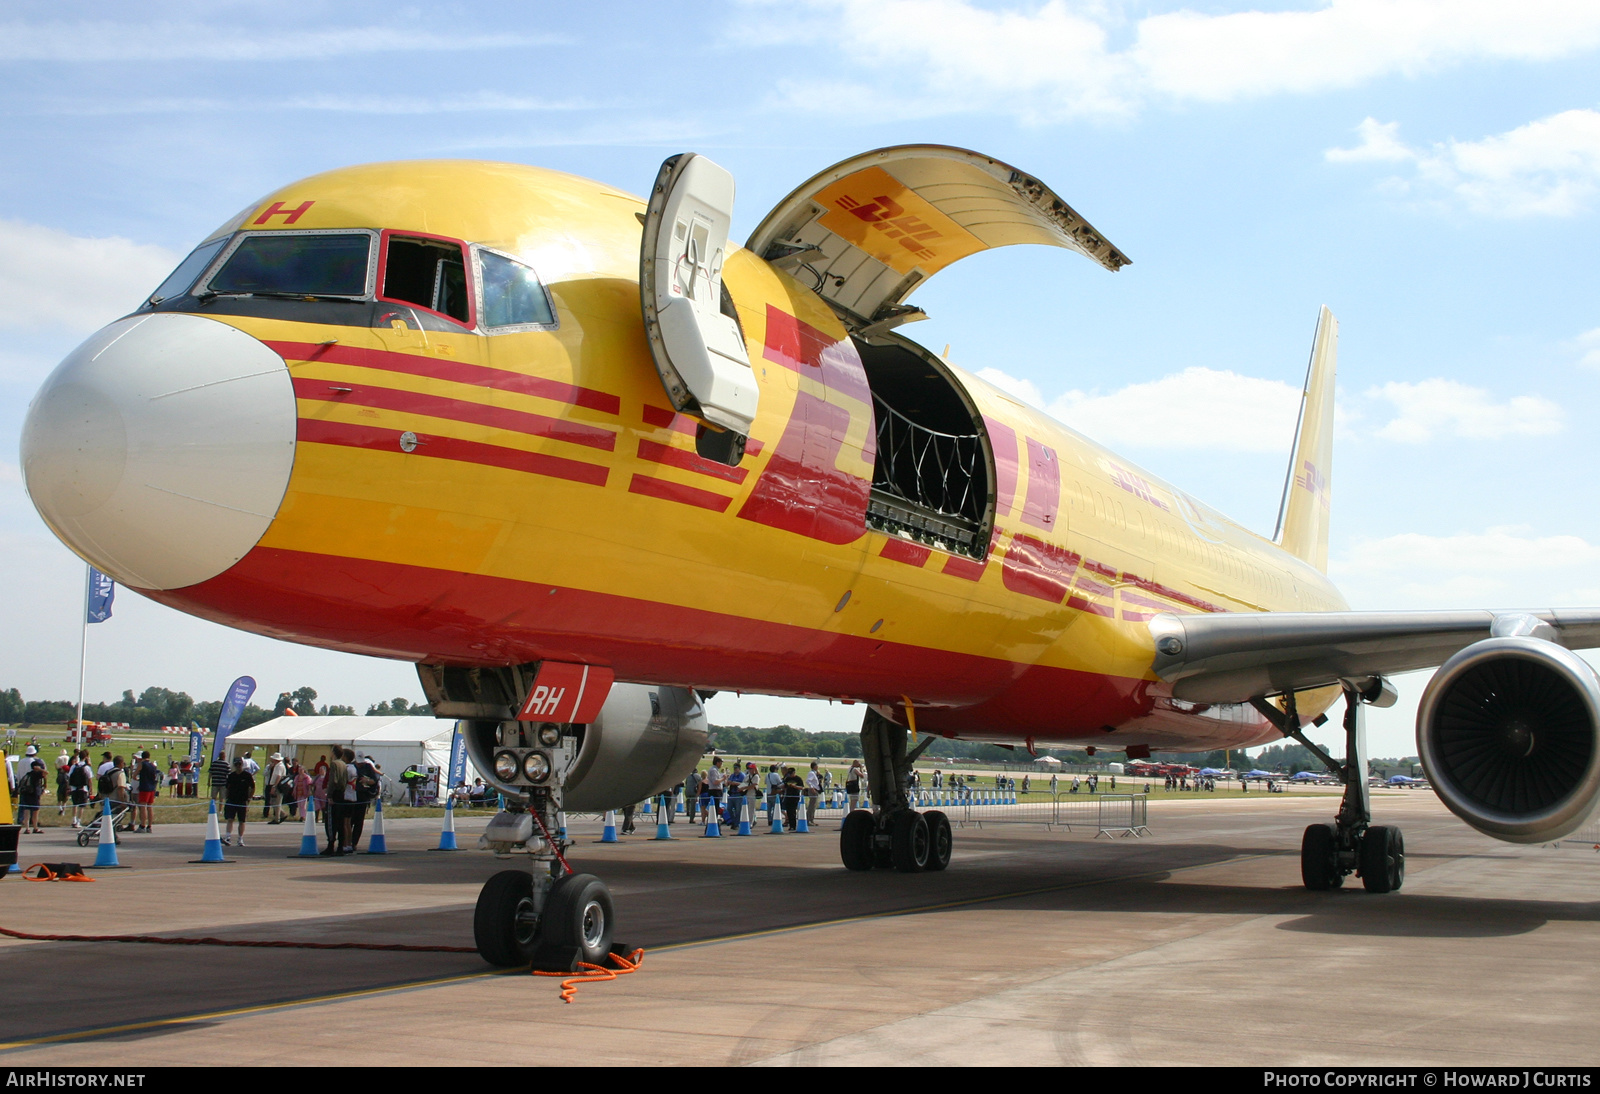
(394, 742)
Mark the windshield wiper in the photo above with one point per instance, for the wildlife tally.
(276, 295)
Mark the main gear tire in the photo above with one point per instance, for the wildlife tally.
(855, 841)
(1319, 858)
(504, 924)
(909, 843)
(1383, 859)
(940, 840)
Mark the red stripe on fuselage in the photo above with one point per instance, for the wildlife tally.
(421, 614)
(462, 372)
(449, 448)
(652, 487)
(663, 418)
(656, 452)
(898, 550)
(456, 410)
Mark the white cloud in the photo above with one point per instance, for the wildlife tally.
(482, 101)
(1588, 343)
(1380, 143)
(1549, 167)
(1177, 411)
(10, 472)
(1050, 61)
(1432, 407)
(1497, 568)
(1026, 390)
(147, 41)
(1182, 411)
(53, 280)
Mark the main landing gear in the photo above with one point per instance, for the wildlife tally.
(1350, 843)
(892, 834)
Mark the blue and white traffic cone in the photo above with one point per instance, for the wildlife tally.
(376, 843)
(713, 825)
(308, 833)
(644, 808)
(744, 819)
(447, 836)
(107, 854)
(212, 851)
(561, 825)
(608, 834)
(800, 824)
(777, 816)
(663, 829)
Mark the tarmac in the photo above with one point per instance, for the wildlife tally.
(1193, 945)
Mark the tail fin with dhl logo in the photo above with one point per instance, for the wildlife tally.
(1303, 513)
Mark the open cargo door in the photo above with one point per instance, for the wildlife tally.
(694, 339)
(867, 231)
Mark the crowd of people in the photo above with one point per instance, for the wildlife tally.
(337, 790)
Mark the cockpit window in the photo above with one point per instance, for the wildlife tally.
(179, 280)
(512, 293)
(429, 272)
(298, 264)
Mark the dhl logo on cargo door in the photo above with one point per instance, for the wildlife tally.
(879, 215)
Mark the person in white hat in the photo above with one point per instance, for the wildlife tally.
(272, 788)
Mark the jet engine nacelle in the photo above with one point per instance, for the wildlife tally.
(1507, 732)
(645, 740)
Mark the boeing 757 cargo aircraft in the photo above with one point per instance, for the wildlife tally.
(583, 460)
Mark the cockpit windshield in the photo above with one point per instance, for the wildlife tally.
(299, 264)
(190, 268)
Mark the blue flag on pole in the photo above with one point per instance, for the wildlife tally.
(458, 760)
(238, 695)
(101, 591)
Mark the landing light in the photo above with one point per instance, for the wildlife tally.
(505, 766)
(550, 734)
(535, 767)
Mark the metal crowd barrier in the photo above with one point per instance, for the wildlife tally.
(1588, 835)
(1108, 814)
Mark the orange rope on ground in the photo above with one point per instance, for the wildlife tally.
(47, 874)
(596, 974)
(161, 940)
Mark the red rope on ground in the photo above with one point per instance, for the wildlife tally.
(161, 940)
(596, 974)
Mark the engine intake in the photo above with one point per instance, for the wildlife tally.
(645, 739)
(1507, 731)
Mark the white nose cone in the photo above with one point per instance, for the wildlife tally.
(160, 449)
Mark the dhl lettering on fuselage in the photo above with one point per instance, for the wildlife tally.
(554, 508)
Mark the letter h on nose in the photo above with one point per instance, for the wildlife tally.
(289, 215)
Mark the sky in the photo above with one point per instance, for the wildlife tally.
(1428, 170)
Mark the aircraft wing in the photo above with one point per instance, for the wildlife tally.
(1235, 657)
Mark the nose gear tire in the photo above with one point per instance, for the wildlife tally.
(503, 924)
(579, 918)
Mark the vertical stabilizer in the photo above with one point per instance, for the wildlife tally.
(1303, 515)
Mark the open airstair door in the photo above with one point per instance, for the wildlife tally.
(694, 338)
(867, 231)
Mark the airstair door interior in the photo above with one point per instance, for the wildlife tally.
(694, 340)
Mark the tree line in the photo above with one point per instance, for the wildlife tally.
(162, 707)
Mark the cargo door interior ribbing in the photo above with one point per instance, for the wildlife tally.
(932, 479)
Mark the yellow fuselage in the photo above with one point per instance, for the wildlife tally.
(553, 507)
